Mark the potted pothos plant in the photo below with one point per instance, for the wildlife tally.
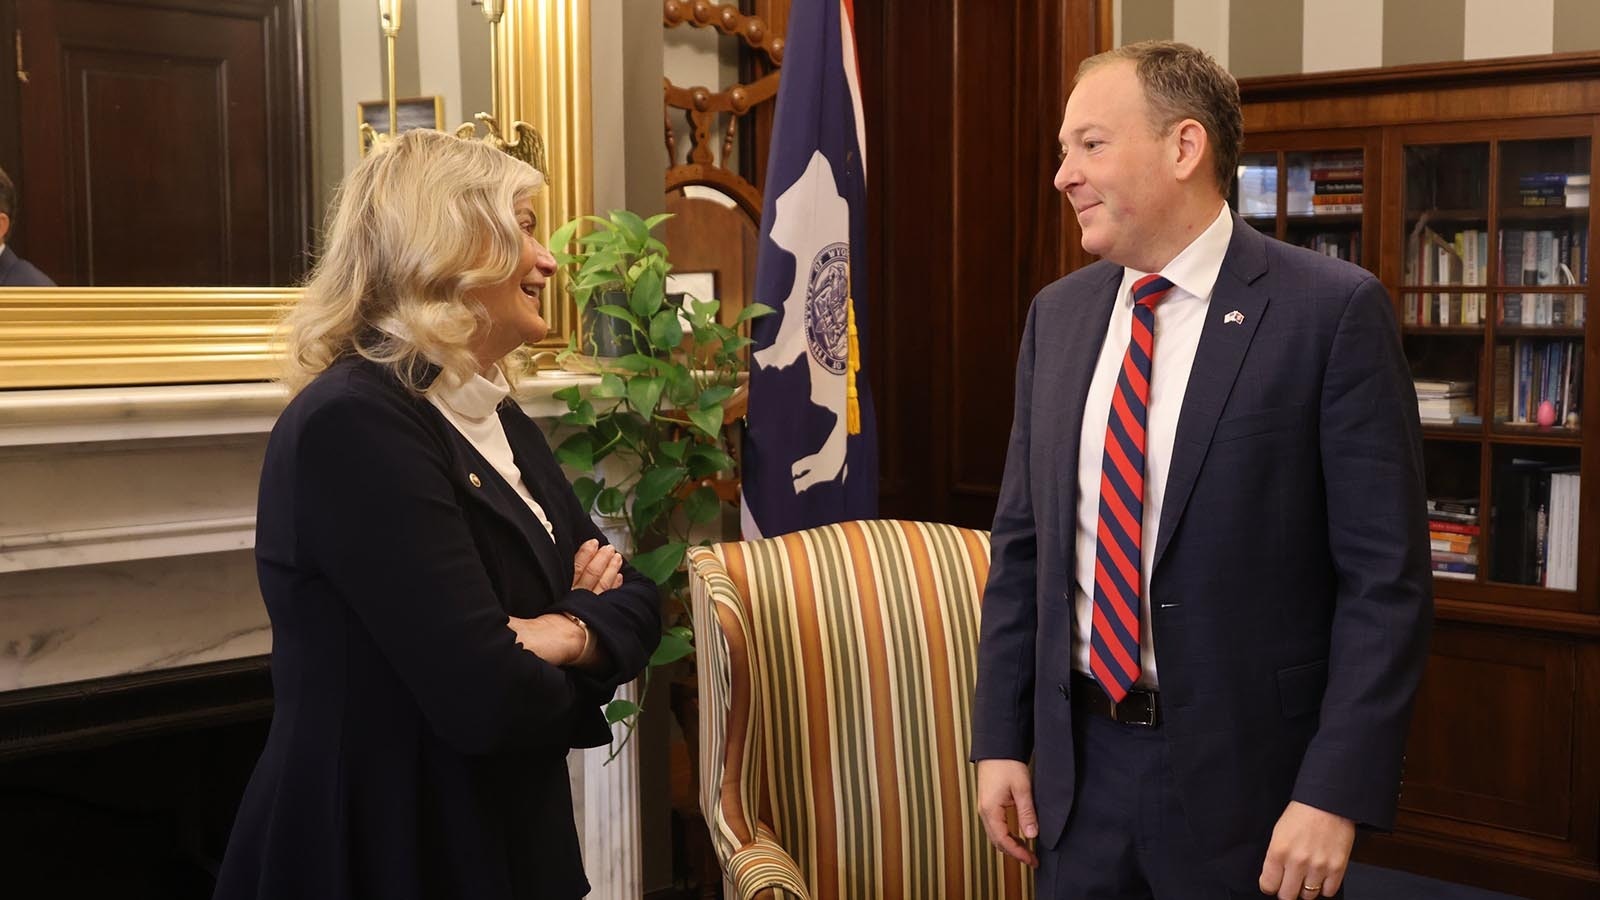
(659, 412)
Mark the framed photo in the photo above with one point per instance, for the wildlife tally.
(413, 112)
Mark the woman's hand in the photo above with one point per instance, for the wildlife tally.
(553, 638)
(596, 568)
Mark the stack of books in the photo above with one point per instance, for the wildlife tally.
(1554, 189)
(1442, 402)
(1453, 535)
(1336, 185)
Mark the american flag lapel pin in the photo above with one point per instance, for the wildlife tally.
(1234, 318)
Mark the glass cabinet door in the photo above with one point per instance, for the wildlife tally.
(1325, 200)
(1447, 236)
(1255, 191)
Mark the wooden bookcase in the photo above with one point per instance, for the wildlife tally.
(1502, 780)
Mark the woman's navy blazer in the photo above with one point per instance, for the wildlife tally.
(415, 750)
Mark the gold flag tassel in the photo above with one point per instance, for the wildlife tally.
(851, 398)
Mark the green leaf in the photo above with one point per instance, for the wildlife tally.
(646, 514)
(705, 460)
(659, 564)
(651, 223)
(657, 483)
(617, 312)
(647, 295)
(702, 506)
(620, 710)
(715, 395)
(577, 451)
(587, 489)
(609, 388)
(644, 394)
(707, 420)
(682, 631)
(635, 227)
(665, 329)
(671, 649)
(634, 362)
(582, 417)
(753, 311)
(570, 396)
(674, 450)
(609, 502)
(591, 279)
(735, 344)
(561, 237)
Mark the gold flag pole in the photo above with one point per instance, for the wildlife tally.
(390, 14)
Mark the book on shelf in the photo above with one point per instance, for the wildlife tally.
(1445, 410)
(1258, 190)
(1536, 524)
(1529, 371)
(1443, 387)
(1554, 189)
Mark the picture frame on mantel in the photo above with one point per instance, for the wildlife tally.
(412, 112)
(110, 336)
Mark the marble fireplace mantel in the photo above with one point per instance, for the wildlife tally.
(127, 522)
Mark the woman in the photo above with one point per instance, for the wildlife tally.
(447, 622)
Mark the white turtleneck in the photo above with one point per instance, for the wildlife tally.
(470, 406)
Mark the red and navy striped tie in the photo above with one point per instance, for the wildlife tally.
(1114, 647)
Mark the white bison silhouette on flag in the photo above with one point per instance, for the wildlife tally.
(812, 222)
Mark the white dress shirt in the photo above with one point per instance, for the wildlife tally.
(1179, 318)
(470, 406)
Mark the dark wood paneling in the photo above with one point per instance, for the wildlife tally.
(164, 143)
(1519, 775)
(962, 108)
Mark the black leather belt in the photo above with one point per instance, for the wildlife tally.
(1140, 707)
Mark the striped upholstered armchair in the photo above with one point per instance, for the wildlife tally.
(836, 668)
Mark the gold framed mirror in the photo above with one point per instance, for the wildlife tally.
(98, 336)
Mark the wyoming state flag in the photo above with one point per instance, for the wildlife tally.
(810, 453)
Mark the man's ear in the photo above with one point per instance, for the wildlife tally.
(5, 227)
(1192, 141)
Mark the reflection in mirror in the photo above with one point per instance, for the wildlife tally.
(187, 142)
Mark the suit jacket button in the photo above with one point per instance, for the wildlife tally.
(473, 477)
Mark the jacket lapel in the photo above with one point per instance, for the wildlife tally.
(1221, 351)
(1080, 351)
(501, 499)
(7, 260)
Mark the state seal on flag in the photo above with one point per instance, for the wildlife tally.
(827, 319)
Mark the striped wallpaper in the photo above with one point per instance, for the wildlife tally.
(1285, 37)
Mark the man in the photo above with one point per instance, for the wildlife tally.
(14, 270)
(1210, 596)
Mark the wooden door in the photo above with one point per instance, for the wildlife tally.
(163, 144)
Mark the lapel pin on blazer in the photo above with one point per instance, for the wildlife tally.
(1234, 318)
(473, 477)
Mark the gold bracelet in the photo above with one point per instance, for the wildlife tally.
(585, 627)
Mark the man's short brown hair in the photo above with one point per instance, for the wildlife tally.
(1183, 82)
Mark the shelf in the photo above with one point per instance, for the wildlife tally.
(1449, 289)
(1539, 331)
(1326, 219)
(1443, 330)
(1542, 213)
(1445, 215)
(1534, 436)
(1540, 289)
(1442, 432)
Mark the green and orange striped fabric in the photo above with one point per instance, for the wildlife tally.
(836, 668)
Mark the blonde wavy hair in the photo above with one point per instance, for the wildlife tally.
(421, 222)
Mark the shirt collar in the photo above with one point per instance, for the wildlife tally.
(475, 397)
(1193, 271)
